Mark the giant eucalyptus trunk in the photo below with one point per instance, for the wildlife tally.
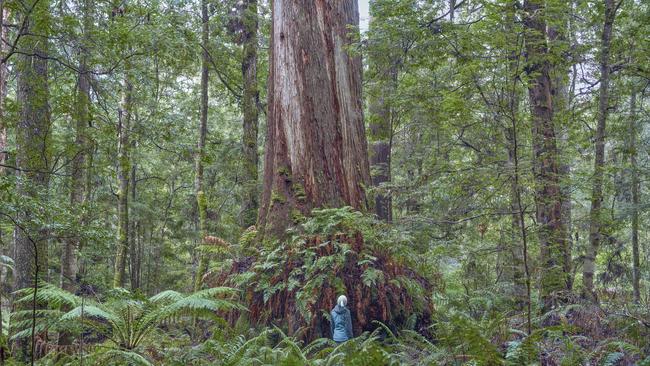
(554, 279)
(316, 149)
(250, 97)
(596, 223)
(200, 154)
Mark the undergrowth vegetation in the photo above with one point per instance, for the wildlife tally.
(276, 312)
(294, 283)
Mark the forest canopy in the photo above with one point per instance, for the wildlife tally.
(196, 182)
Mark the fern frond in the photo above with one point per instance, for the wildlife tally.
(89, 311)
(612, 359)
(168, 295)
(119, 356)
(48, 294)
(7, 262)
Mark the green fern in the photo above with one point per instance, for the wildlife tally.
(7, 263)
(131, 321)
(126, 320)
(612, 359)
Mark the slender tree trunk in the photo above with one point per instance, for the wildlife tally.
(123, 171)
(250, 98)
(133, 250)
(380, 135)
(633, 128)
(521, 268)
(552, 231)
(316, 149)
(32, 151)
(69, 265)
(522, 281)
(595, 215)
(516, 248)
(4, 16)
(200, 154)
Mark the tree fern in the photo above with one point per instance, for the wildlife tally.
(126, 320)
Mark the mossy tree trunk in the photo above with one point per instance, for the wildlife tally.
(554, 280)
(69, 258)
(557, 38)
(32, 140)
(134, 257)
(4, 16)
(596, 224)
(33, 134)
(380, 137)
(518, 269)
(316, 149)
(250, 98)
(123, 172)
(201, 202)
(632, 149)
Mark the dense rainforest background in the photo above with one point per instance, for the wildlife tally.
(194, 182)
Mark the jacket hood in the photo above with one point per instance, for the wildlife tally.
(339, 309)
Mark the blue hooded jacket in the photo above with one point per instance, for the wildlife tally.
(341, 323)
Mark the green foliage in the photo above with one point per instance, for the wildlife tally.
(321, 253)
(454, 87)
(273, 347)
(6, 263)
(129, 322)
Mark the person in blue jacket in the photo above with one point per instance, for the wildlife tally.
(341, 323)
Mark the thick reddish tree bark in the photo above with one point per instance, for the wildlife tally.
(554, 281)
(316, 149)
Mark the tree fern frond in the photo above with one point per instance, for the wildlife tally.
(166, 296)
(89, 311)
(48, 294)
(27, 332)
(114, 356)
(7, 262)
